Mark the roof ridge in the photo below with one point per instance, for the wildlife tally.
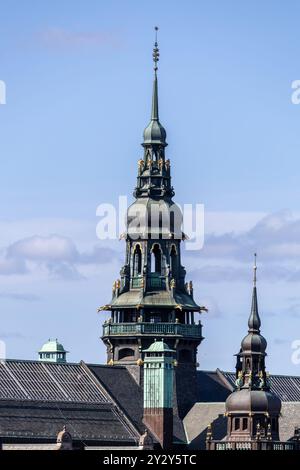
(37, 361)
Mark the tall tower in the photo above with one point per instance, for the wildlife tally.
(158, 391)
(151, 299)
(253, 410)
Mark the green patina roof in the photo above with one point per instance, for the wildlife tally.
(161, 298)
(52, 346)
(158, 346)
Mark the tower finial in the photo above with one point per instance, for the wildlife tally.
(155, 50)
(254, 320)
(155, 132)
(254, 270)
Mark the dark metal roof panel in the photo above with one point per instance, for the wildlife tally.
(286, 387)
(42, 421)
(51, 382)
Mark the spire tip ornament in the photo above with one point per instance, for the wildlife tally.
(155, 51)
(155, 134)
(254, 270)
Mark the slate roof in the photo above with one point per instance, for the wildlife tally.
(129, 396)
(41, 421)
(215, 386)
(122, 387)
(37, 399)
(212, 386)
(197, 420)
(286, 387)
(99, 404)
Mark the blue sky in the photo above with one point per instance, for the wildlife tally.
(79, 79)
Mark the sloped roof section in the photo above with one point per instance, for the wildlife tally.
(122, 387)
(48, 382)
(198, 419)
(212, 387)
(88, 423)
(161, 298)
(286, 387)
(37, 399)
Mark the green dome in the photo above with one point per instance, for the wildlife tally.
(52, 346)
(158, 346)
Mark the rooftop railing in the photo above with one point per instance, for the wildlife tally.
(252, 445)
(147, 328)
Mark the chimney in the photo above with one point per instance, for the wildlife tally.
(158, 392)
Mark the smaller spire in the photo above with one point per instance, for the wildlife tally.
(254, 320)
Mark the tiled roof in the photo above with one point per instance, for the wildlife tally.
(211, 387)
(197, 420)
(37, 399)
(97, 403)
(41, 421)
(50, 382)
(286, 387)
(129, 396)
(122, 387)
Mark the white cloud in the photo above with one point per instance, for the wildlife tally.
(51, 248)
(10, 266)
(62, 270)
(274, 237)
(225, 256)
(228, 256)
(53, 256)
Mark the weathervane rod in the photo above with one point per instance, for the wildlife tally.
(254, 269)
(155, 51)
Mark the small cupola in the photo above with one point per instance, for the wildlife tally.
(53, 351)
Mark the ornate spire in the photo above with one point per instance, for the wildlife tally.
(155, 132)
(154, 114)
(254, 320)
(253, 348)
(154, 173)
(252, 402)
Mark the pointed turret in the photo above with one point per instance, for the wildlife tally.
(252, 405)
(254, 344)
(254, 320)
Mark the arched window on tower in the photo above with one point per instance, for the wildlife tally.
(126, 354)
(174, 261)
(236, 424)
(156, 259)
(137, 261)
